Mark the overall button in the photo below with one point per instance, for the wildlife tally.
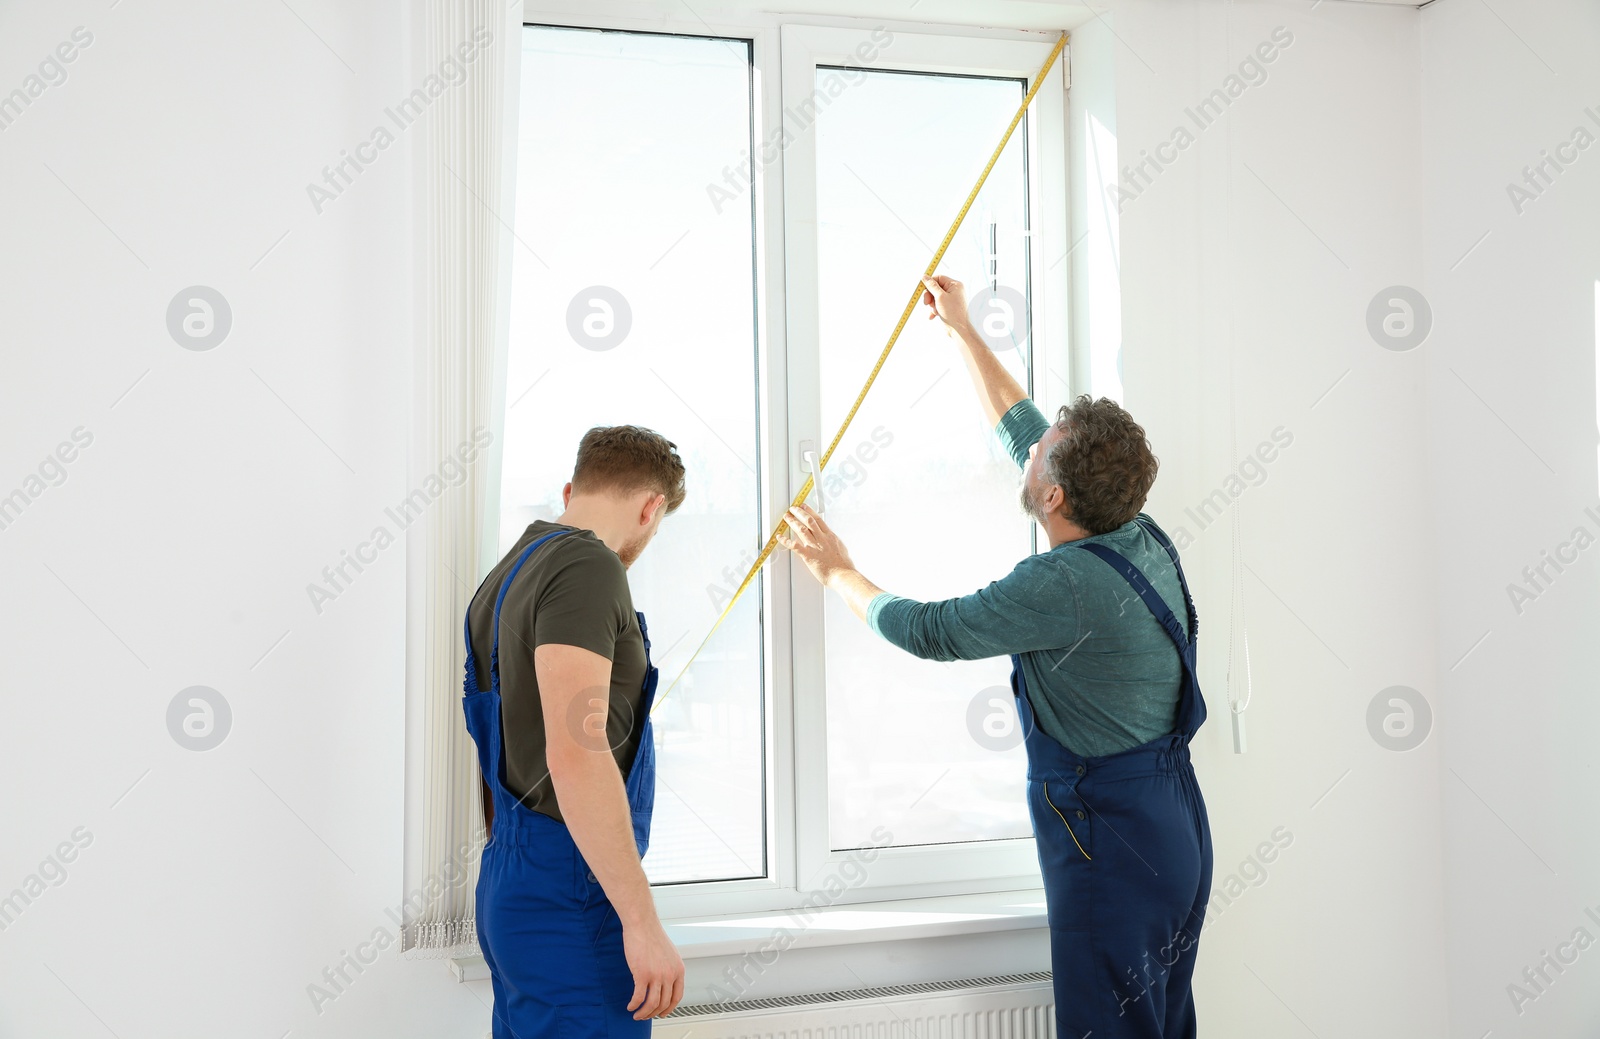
(1080, 770)
(1080, 813)
(592, 879)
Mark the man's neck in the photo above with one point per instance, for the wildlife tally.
(1062, 531)
(599, 520)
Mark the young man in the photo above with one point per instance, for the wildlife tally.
(559, 687)
(1100, 631)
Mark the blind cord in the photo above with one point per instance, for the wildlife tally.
(1236, 613)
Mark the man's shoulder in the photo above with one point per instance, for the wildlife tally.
(1144, 535)
(1136, 540)
(574, 548)
(573, 552)
(1141, 528)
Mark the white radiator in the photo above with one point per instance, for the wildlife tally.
(1016, 1006)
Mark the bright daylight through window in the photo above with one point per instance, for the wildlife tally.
(642, 289)
(633, 302)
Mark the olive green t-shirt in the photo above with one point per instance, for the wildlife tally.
(573, 591)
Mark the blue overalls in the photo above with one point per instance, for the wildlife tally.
(1125, 849)
(551, 938)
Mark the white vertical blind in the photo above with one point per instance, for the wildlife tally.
(468, 54)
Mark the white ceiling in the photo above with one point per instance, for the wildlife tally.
(1000, 14)
(1036, 15)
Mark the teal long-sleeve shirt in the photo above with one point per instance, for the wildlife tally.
(1102, 674)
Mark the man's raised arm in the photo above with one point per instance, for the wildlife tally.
(946, 299)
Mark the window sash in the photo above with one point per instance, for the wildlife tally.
(980, 865)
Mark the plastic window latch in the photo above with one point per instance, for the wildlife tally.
(809, 463)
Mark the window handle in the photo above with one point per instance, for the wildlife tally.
(810, 464)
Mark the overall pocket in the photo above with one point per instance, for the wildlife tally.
(1071, 815)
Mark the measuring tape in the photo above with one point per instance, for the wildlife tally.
(905, 315)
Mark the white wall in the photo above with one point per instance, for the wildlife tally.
(178, 550)
(1266, 239)
(1511, 387)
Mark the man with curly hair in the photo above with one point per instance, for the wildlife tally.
(1101, 634)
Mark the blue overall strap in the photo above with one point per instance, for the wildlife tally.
(505, 586)
(1172, 553)
(1152, 599)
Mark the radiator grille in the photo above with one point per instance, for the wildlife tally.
(848, 995)
(1010, 1006)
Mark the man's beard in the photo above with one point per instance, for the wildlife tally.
(631, 551)
(1028, 506)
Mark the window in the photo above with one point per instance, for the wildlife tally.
(719, 252)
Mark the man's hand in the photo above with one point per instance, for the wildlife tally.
(816, 544)
(657, 970)
(997, 389)
(946, 299)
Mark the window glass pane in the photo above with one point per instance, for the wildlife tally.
(919, 488)
(633, 302)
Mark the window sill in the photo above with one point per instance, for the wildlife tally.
(860, 923)
(1005, 931)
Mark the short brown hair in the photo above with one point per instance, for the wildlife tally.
(627, 459)
(1102, 463)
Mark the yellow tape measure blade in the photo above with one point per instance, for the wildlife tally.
(883, 357)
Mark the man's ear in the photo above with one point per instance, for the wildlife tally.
(652, 505)
(566, 495)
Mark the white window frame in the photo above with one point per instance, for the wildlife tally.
(797, 846)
